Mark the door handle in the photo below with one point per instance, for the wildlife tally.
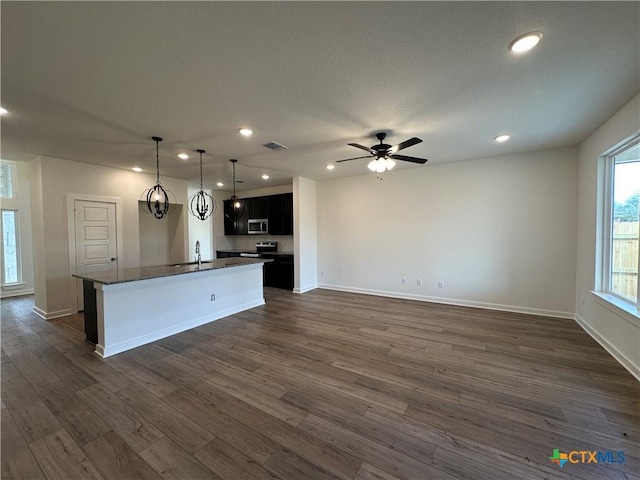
(113, 259)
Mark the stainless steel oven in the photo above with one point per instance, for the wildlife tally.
(261, 247)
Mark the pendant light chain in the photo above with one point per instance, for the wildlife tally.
(234, 178)
(158, 140)
(201, 152)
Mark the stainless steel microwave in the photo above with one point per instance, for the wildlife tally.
(258, 225)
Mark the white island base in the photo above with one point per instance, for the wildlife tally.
(134, 313)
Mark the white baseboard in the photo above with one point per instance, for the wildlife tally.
(305, 289)
(613, 351)
(167, 332)
(15, 293)
(52, 315)
(452, 301)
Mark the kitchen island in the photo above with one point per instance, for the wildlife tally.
(127, 308)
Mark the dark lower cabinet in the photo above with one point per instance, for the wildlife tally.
(279, 273)
(90, 312)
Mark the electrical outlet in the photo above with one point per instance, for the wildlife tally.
(322, 274)
(419, 282)
(213, 297)
(440, 283)
(403, 280)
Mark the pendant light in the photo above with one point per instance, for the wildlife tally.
(201, 205)
(157, 197)
(238, 206)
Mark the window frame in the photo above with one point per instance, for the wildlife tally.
(13, 179)
(18, 250)
(604, 282)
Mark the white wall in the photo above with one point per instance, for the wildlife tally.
(159, 244)
(52, 179)
(618, 332)
(499, 232)
(305, 235)
(37, 230)
(22, 203)
(220, 241)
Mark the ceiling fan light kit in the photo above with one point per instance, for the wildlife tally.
(384, 156)
(380, 165)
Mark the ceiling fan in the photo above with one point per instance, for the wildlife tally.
(384, 155)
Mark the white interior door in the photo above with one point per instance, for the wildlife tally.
(96, 246)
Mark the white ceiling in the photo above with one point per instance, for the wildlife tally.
(93, 81)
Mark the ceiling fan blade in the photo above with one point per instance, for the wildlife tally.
(362, 147)
(409, 159)
(354, 158)
(405, 144)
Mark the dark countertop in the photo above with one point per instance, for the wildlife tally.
(122, 275)
(254, 251)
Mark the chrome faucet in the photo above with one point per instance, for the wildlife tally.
(198, 253)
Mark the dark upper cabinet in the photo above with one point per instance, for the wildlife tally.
(228, 224)
(281, 214)
(234, 227)
(258, 207)
(278, 209)
(288, 214)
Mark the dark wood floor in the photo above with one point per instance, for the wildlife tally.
(317, 386)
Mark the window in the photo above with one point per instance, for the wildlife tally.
(10, 251)
(621, 261)
(7, 179)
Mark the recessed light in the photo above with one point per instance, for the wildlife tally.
(502, 138)
(220, 184)
(136, 169)
(245, 132)
(183, 156)
(265, 177)
(525, 42)
(330, 167)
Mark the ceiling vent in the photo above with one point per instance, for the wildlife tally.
(274, 146)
